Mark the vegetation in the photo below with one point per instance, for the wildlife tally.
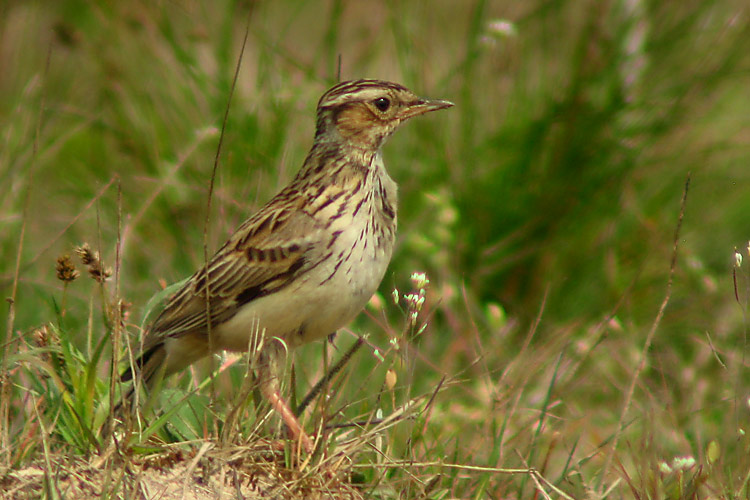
(574, 339)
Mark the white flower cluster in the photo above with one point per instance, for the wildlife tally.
(415, 301)
(678, 464)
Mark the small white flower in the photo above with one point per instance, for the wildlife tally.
(419, 280)
(737, 258)
(502, 27)
(683, 463)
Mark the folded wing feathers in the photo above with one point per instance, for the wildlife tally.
(248, 265)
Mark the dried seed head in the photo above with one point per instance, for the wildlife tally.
(41, 336)
(86, 254)
(92, 260)
(66, 270)
(45, 337)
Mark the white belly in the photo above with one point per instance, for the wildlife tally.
(316, 304)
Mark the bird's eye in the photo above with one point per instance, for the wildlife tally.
(382, 103)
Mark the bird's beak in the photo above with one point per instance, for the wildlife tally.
(423, 106)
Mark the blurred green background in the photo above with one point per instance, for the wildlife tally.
(552, 190)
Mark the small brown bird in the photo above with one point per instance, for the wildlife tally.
(308, 261)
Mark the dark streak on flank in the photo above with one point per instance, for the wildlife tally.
(334, 237)
(359, 205)
(388, 209)
(335, 269)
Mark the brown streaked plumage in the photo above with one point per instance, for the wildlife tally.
(308, 261)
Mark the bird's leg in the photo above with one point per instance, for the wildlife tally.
(268, 378)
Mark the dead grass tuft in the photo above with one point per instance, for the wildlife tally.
(206, 472)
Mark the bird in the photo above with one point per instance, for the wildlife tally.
(307, 262)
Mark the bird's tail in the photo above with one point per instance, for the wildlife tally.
(146, 365)
(143, 373)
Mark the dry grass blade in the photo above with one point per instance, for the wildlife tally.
(649, 340)
(328, 376)
(372, 428)
(48, 244)
(215, 168)
(5, 444)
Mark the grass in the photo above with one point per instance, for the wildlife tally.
(549, 357)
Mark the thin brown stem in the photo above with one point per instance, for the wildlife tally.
(215, 168)
(649, 340)
(4, 383)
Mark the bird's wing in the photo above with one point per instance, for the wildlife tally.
(265, 254)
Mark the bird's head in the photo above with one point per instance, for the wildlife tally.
(363, 113)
